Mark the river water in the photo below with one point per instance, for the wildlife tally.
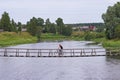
(75, 68)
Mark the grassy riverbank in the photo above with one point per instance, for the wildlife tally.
(108, 43)
(111, 43)
(96, 37)
(80, 36)
(53, 37)
(12, 38)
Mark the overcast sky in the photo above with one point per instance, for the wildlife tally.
(71, 11)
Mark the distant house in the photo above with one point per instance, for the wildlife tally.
(92, 28)
(88, 28)
(24, 29)
(1, 30)
(84, 28)
(74, 28)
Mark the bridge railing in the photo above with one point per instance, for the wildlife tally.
(114, 51)
(24, 52)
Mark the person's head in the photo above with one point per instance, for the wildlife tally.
(59, 44)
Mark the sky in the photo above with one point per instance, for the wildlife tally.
(71, 11)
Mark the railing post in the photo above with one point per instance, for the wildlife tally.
(84, 52)
(107, 52)
(5, 52)
(73, 53)
(39, 53)
(81, 52)
(55, 52)
(92, 52)
(17, 52)
(50, 53)
(95, 51)
(27, 53)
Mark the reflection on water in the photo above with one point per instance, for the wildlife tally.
(79, 68)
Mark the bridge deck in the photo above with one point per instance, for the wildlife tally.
(23, 52)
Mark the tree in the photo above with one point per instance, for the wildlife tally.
(67, 31)
(13, 26)
(19, 27)
(47, 25)
(0, 25)
(52, 28)
(38, 33)
(5, 22)
(112, 20)
(60, 25)
(40, 22)
(117, 32)
(89, 35)
(32, 26)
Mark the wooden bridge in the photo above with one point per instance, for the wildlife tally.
(82, 52)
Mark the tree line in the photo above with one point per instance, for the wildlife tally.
(35, 26)
(99, 26)
(39, 25)
(87, 24)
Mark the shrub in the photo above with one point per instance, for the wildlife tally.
(89, 35)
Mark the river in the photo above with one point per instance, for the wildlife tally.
(75, 68)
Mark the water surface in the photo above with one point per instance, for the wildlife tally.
(75, 68)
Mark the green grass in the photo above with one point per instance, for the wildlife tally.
(12, 38)
(111, 43)
(52, 37)
(108, 43)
